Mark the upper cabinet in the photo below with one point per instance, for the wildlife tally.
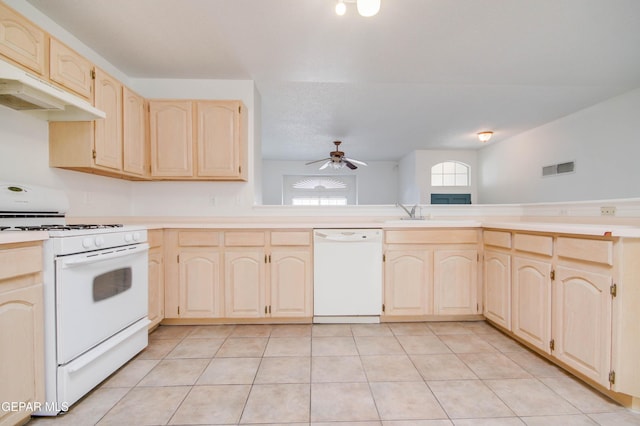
(115, 146)
(70, 70)
(108, 132)
(135, 143)
(219, 139)
(22, 42)
(171, 135)
(198, 140)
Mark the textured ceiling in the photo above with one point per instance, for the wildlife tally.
(422, 74)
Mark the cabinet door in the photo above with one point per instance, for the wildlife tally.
(134, 136)
(218, 138)
(408, 289)
(21, 349)
(245, 283)
(171, 138)
(200, 284)
(290, 283)
(108, 139)
(69, 69)
(156, 287)
(582, 322)
(22, 41)
(497, 288)
(455, 282)
(531, 306)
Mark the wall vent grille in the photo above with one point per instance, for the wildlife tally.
(558, 169)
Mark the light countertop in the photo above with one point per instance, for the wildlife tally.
(11, 237)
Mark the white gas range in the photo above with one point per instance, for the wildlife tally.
(95, 292)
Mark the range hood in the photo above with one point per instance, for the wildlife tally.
(22, 91)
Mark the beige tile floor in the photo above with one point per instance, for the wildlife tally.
(375, 374)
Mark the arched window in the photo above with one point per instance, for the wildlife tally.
(307, 190)
(450, 173)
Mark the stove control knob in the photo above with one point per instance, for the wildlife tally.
(87, 242)
(136, 236)
(128, 238)
(99, 241)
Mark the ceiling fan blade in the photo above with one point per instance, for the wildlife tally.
(362, 163)
(325, 165)
(349, 164)
(317, 161)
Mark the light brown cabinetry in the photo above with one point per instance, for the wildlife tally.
(455, 282)
(171, 137)
(193, 274)
(21, 330)
(497, 287)
(114, 146)
(135, 144)
(238, 274)
(198, 140)
(70, 70)
(156, 277)
(430, 272)
(268, 279)
(408, 284)
(531, 302)
(497, 277)
(582, 321)
(574, 299)
(107, 151)
(23, 42)
(291, 274)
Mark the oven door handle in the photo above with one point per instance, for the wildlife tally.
(106, 255)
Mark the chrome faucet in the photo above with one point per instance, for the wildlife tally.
(411, 213)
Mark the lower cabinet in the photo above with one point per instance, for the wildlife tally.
(455, 282)
(156, 277)
(200, 283)
(244, 278)
(582, 321)
(430, 272)
(408, 285)
(290, 282)
(21, 331)
(531, 301)
(239, 274)
(497, 287)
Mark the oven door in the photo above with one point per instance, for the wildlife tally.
(98, 294)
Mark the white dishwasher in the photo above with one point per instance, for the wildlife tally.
(347, 275)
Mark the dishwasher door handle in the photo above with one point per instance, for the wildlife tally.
(342, 237)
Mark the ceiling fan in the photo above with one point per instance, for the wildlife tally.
(337, 160)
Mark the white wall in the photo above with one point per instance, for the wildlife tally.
(377, 182)
(603, 140)
(415, 174)
(24, 159)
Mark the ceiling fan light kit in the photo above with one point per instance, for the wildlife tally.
(365, 8)
(337, 160)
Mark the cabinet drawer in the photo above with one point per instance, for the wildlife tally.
(439, 236)
(540, 244)
(290, 238)
(154, 238)
(497, 239)
(244, 239)
(199, 238)
(19, 261)
(582, 249)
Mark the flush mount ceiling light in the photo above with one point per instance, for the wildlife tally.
(365, 7)
(485, 136)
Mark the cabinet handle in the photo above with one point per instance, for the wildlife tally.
(269, 309)
(265, 309)
(269, 258)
